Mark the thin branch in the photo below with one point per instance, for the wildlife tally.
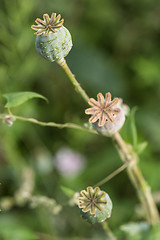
(75, 83)
(108, 231)
(53, 124)
(112, 175)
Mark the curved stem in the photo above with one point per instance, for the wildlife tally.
(112, 175)
(53, 124)
(143, 190)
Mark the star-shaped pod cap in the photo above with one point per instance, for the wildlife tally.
(107, 116)
(48, 25)
(95, 205)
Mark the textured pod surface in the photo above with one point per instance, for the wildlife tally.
(55, 46)
(95, 205)
(110, 128)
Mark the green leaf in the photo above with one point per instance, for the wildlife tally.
(17, 98)
(140, 147)
(129, 131)
(133, 126)
(67, 191)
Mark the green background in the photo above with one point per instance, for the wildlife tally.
(116, 48)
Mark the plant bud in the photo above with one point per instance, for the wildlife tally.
(8, 119)
(53, 40)
(95, 205)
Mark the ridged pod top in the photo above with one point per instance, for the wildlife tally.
(95, 205)
(48, 25)
(92, 200)
(103, 110)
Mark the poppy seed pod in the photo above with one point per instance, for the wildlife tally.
(95, 205)
(109, 128)
(107, 116)
(53, 40)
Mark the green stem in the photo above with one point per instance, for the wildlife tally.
(108, 231)
(53, 124)
(75, 83)
(143, 190)
(112, 175)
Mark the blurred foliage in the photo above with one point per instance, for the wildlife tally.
(117, 49)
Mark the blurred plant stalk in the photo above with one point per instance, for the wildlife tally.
(25, 195)
(110, 234)
(143, 189)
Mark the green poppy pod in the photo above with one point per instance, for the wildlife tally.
(95, 205)
(53, 40)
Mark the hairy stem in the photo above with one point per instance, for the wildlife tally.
(73, 80)
(143, 190)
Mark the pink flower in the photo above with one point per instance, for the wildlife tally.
(69, 163)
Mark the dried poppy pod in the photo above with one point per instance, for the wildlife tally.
(95, 205)
(107, 116)
(53, 40)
